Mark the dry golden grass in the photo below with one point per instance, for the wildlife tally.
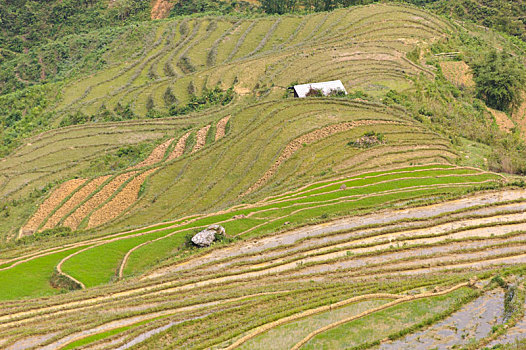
(75, 200)
(504, 123)
(179, 147)
(458, 73)
(221, 126)
(51, 203)
(161, 9)
(76, 218)
(201, 138)
(122, 201)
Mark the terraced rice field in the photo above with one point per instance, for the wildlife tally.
(393, 252)
(365, 47)
(329, 245)
(313, 203)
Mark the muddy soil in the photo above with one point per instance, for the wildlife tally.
(514, 334)
(472, 322)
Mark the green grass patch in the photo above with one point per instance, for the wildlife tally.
(31, 279)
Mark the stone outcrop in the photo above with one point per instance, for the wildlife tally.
(206, 237)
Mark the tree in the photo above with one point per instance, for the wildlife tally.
(278, 6)
(499, 78)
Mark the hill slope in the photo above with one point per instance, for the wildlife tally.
(349, 219)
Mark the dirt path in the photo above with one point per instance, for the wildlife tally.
(201, 138)
(54, 200)
(307, 139)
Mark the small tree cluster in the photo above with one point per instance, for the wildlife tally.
(500, 78)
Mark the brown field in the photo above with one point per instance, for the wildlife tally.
(51, 203)
(120, 202)
(75, 219)
(503, 121)
(458, 73)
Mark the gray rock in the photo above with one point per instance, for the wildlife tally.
(206, 237)
(220, 230)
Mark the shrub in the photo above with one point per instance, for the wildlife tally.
(499, 78)
(369, 139)
(337, 93)
(76, 118)
(207, 99)
(314, 92)
(169, 97)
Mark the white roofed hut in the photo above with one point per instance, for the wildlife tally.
(317, 89)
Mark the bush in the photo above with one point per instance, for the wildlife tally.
(314, 92)
(500, 79)
(369, 139)
(207, 99)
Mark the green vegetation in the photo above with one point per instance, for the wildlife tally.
(209, 98)
(33, 278)
(120, 159)
(500, 79)
(287, 335)
(370, 330)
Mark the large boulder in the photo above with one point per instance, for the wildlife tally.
(206, 237)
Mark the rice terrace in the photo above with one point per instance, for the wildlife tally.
(213, 174)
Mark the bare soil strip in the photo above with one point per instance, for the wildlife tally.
(161, 8)
(179, 147)
(98, 198)
(458, 73)
(75, 200)
(122, 201)
(47, 207)
(221, 126)
(201, 138)
(156, 156)
(307, 139)
(504, 123)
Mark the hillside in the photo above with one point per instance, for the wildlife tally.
(350, 219)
